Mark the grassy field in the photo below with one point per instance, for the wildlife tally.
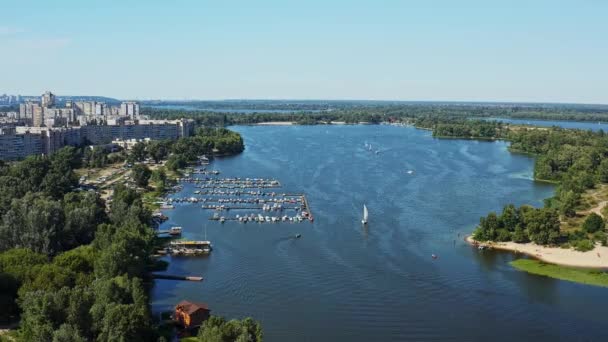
(577, 275)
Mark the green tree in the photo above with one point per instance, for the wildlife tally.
(34, 222)
(141, 174)
(138, 152)
(569, 200)
(593, 223)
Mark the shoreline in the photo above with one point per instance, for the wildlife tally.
(275, 123)
(596, 258)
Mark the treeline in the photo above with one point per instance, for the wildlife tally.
(576, 160)
(461, 128)
(375, 112)
(215, 119)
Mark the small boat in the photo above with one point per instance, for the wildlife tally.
(365, 215)
(175, 231)
(434, 256)
(298, 236)
(409, 172)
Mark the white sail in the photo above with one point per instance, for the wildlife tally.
(364, 214)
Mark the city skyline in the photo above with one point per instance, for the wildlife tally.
(546, 52)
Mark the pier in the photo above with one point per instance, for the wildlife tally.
(176, 277)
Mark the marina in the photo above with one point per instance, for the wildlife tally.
(226, 194)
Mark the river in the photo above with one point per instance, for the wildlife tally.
(344, 282)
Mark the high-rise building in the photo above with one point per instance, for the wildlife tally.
(37, 116)
(48, 99)
(130, 109)
(26, 111)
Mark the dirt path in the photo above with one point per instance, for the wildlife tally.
(597, 209)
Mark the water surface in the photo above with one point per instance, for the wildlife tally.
(344, 282)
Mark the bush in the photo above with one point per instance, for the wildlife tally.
(584, 245)
(593, 223)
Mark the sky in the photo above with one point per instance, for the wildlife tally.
(427, 50)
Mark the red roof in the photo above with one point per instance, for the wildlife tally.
(191, 307)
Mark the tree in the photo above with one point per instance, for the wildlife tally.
(218, 329)
(593, 223)
(509, 217)
(34, 222)
(158, 150)
(176, 162)
(141, 174)
(138, 152)
(569, 200)
(603, 171)
(67, 333)
(84, 211)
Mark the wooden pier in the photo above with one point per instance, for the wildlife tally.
(176, 277)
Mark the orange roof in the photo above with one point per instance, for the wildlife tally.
(190, 307)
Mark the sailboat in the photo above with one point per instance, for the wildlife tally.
(364, 221)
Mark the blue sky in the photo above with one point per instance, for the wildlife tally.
(482, 50)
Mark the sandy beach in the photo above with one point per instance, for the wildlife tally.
(276, 123)
(597, 258)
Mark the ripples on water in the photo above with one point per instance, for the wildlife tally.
(342, 281)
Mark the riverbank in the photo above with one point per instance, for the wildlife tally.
(276, 123)
(596, 258)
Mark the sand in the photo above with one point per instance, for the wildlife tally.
(596, 258)
(275, 123)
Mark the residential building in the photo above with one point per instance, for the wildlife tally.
(130, 109)
(46, 139)
(48, 99)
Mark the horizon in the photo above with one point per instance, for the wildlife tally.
(540, 53)
(533, 103)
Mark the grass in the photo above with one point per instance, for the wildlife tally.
(578, 275)
(189, 339)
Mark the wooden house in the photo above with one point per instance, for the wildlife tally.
(191, 315)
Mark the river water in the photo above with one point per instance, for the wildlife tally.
(344, 282)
